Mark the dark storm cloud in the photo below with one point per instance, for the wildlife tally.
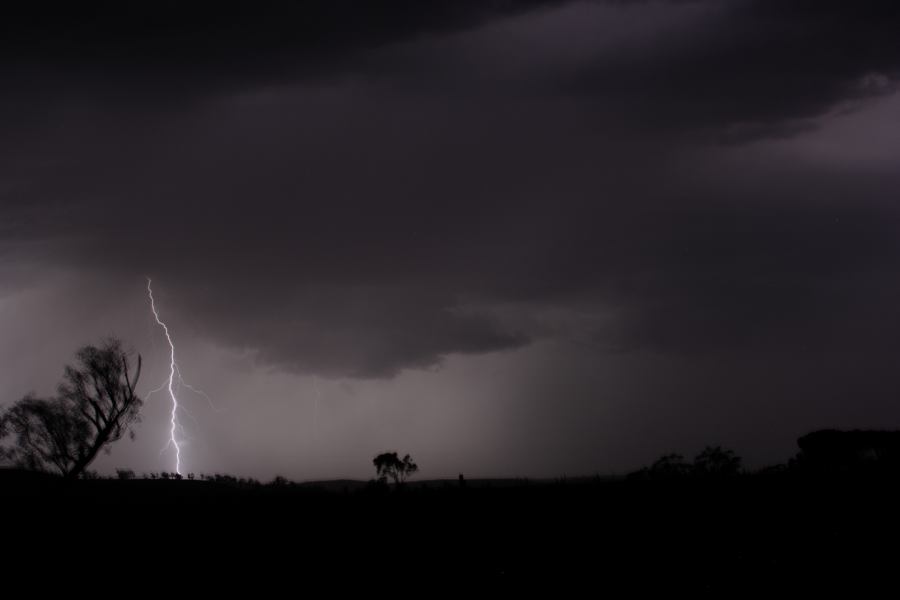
(762, 278)
(368, 225)
(720, 79)
(354, 331)
(170, 47)
(760, 68)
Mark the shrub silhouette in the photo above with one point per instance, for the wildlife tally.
(95, 406)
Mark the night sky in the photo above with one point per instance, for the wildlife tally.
(511, 238)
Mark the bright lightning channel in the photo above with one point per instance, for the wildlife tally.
(173, 369)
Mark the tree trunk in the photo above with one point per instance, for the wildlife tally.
(91, 454)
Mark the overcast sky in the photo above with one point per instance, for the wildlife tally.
(511, 238)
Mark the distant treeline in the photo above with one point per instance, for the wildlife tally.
(827, 451)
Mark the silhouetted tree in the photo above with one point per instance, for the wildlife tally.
(715, 461)
(95, 406)
(389, 465)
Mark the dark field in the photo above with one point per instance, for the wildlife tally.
(757, 532)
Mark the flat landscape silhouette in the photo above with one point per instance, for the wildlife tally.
(788, 527)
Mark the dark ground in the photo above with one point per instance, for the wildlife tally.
(752, 533)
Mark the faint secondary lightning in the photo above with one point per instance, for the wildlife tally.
(173, 369)
(316, 415)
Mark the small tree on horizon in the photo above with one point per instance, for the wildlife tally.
(390, 465)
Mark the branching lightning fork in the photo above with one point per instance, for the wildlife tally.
(173, 370)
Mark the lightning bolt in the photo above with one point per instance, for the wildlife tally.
(173, 369)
